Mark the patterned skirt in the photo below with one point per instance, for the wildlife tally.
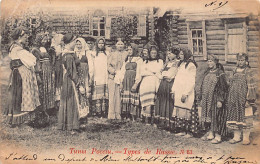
(99, 100)
(23, 96)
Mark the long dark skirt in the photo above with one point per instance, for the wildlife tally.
(68, 117)
(164, 103)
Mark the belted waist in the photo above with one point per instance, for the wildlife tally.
(15, 63)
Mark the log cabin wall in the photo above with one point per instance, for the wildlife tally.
(217, 32)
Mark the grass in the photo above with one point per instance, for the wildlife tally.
(105, 134)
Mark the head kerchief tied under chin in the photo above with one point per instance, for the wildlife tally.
(213, 58)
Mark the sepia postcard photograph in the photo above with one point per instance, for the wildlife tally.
(110, 81)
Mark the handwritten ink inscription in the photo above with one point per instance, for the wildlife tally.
(130, 157)
(216, 4)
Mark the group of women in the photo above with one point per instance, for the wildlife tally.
(123, 85)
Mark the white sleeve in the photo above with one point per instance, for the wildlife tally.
(90, 64)
(190, 79)
(27, 58)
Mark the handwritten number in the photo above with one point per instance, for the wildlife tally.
(220, 5)
(35, 156)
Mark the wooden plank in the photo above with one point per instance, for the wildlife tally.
(215, 32)
(216, 47)
(216, 37)
(245, 37)
(253, 33)
(216, 42)
(216, 52)
(210, 28)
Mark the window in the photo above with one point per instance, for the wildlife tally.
(98, 26)
(235, 35)
(197, 44)
(197, 38)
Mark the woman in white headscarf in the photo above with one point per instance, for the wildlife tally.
(83, 71)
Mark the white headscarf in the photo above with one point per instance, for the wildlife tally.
(81, 52)
(56, 43)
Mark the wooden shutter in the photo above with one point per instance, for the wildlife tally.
(141, 31)
(235, 34)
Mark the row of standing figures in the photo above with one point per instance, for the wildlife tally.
(122, 85)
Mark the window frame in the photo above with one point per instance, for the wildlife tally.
(203, 38)
(97, 20)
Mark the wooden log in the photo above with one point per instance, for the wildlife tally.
(216, 52)
(253, 28)
(175, 43)
(254, 64)
(253, 38)
(216, 47)
(210, 28)
(253, 44)
(182, 37)
(174, 26)
(254, 33)
(253, 49)
(253, 17)
(182, 24)
(214, 23)
(253, 54)
(182, 32)
(174, 30)
(215, 32)
(215, 37)
(183, 41)
(253, 23)
(174, 39)
(235, 25)
(216, 42)
(182, 28)
(172, 34)
(182, 45)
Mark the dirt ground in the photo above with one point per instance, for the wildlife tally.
(105, 134)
